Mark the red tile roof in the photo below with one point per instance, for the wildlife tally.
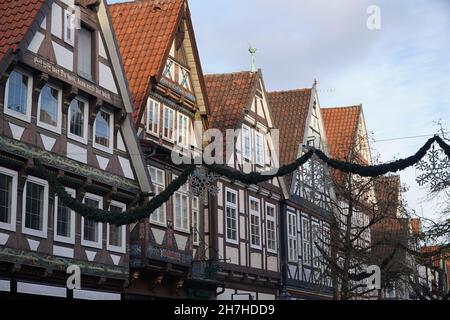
(341, 127)
(229, 94)
(144, 31)
(290, 112)
(16, 17)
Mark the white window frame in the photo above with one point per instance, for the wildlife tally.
(57, 128)
(110, 148)
(234, 206)
(245, 155)
(14, 175)
(256, 214)
(260, 162)
(36, 233)
(292, 235)
(170, 110)
(27, 116)
(179, 131)
(306, 241)
(163, 186)
(183, 192)
(274, 220)
(315, 251)
(71, 25)
(72, 136)
(195, 224)
(87, 243)
(122, 248)
(154, 105)
(57, 238)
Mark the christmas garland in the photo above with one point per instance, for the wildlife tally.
(136, 214)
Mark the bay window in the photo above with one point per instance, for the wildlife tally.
(255, 223)
(8, 199)
(159, 183)
(103, 131)
(49, 108)
(91, 231)
(35, 207)
(18, 95)
(232, 217)
(77, 120)
(64, 220)
(116, 235)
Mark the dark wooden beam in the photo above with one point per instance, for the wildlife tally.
(95, 105)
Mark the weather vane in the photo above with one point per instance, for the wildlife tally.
(252, 51)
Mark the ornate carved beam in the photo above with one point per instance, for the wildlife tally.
(95, 106)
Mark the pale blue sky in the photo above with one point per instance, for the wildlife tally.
(401, 73)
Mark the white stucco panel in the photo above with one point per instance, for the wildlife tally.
(35, 44)
(64, 57)
(57, 20)
(126, 168)
(106, 79)
(76, 153)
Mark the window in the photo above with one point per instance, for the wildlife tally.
(196, 220)
(271, 228)
(69, 27)
(49, 109)
(77, 118)
(255, 224)
(317, 237)
(231, 212)
(306, 241)
(246, 148)
(35, 207)
(259, 148)
(64, 220)
(8, 199)
(91, 231)
(18, 95)
(292, 237)
(103, 131)
(159, 182)
(181, 209)
(85, 53)
(116, 236)
(169, 123)
(153, 116)
(183, 130)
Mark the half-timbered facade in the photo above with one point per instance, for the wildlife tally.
(243, 229)
(159, 52)
(305, 214)
(64, 101)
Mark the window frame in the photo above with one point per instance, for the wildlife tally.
(56, 237)
(315, 253)
(274, 220)
(110, 148)
(152, 103)
(122, 248)
(182, 193)
(179, 131)
(88, 243)
(163, 186)
(72, 136)
(261, 161)
(27, 116)
(258, 215)
(56, 129)
(235, 207)
(292, 235)
(14, 175)
(195, 222)
(31, 232)
(306, 241)
(246, 156)
(170, 110)
(68, 14)
(90, 76)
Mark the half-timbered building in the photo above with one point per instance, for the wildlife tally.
(243, 229)
(64, 101)
(162, 65)
(305, 216)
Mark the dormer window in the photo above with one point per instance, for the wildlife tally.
(103, 131)
(85, 53)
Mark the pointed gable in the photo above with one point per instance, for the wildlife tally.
(229, 94)
(290, 111)
(16, 18)
(341, 125)
(144, 31)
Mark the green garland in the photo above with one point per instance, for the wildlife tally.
(136, 214)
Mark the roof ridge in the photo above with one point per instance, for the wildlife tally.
(228, 73)
(342, 107)
(290, 90)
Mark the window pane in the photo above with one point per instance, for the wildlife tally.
(18, 92)
(168, 123)
(34, 206)
(115, 232)
(5, 198)
(63, 220)
(102, 128)
(76, 116)
(49, 106)
(85, 53)
(91, 227)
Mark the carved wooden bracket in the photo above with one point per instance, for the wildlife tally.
(23, 173)
(108, 197)
(69, 93)
(81, 191)
(96, 105)
(41, 80)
